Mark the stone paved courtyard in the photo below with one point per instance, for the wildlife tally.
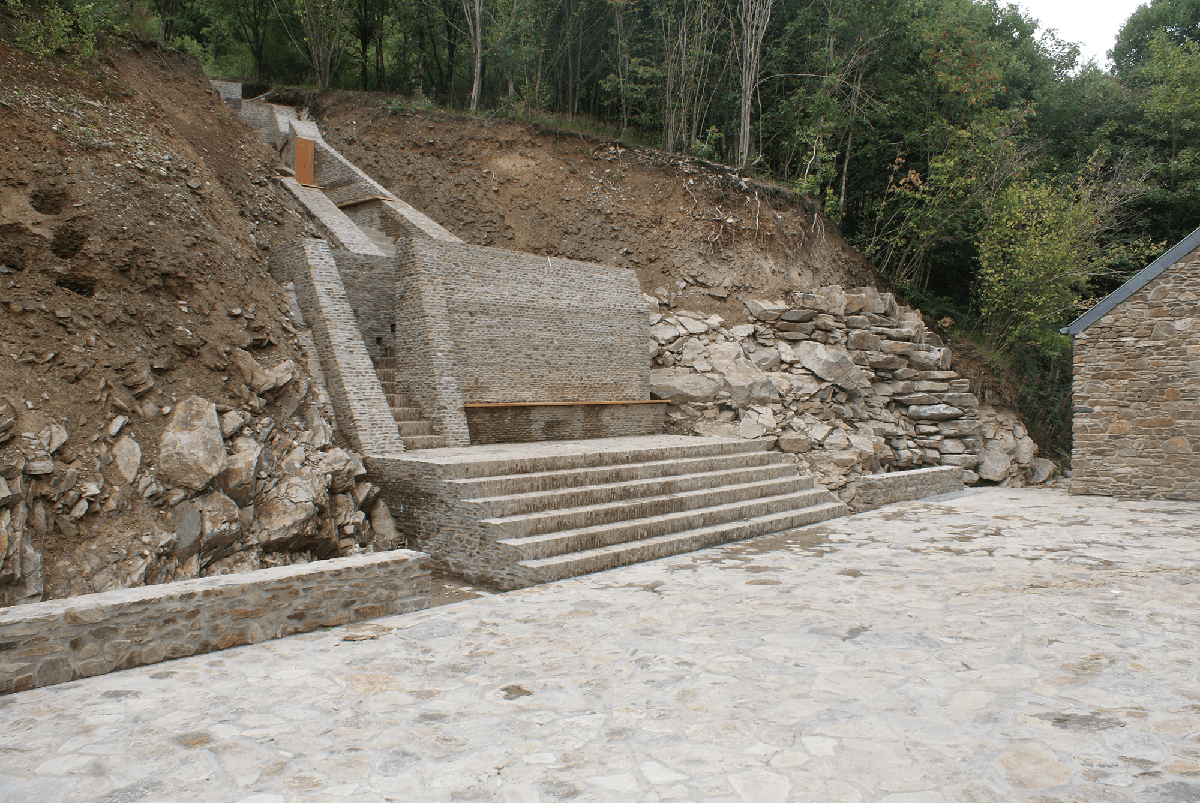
(1001, 645)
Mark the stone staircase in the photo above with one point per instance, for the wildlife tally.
(415, 431)
(386, 244)
(551, 514)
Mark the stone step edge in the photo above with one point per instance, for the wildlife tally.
(478, 469)
(467, 484)
(686, 496)
(622, 532)
(688, 540)
(640, 484)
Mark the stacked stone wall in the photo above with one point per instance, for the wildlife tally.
(53, 642)
(1137, 393)
(849, 381)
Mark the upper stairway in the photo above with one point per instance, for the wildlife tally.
(415, 431)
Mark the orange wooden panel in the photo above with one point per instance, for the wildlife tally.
(305, 159)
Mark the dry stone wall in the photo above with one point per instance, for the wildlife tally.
(850, 382)
(1137, 393)
(54, 642)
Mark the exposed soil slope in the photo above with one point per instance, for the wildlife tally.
(669, 218)
(134, 214)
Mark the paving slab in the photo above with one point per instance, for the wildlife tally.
(1001, 645)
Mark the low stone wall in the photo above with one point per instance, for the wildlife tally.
(562, 422)
(230, 92)
(876, 490)
(54, 642)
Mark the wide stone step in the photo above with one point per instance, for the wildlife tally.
(424, 441)
(406, 413)
(645, 486)
(561, 566)
(528, 524)
(409, 429)
(398, 399)
(526, 460)
(481, 487)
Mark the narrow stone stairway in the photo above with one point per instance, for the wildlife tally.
(415, 431)
(552, 514)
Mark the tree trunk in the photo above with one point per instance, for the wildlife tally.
(753, 16)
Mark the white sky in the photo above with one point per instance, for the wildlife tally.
(1092, 24)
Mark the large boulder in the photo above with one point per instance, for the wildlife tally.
(287, 518)
(995, 464)
(222, 525)
(192, 451)
(343, 468)
(1043, 470)
(833, 364)
(766, 310)
(680, 386)
(746, 384)
(241, 471)
(128, 456)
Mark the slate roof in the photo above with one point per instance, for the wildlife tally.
(1173, 255)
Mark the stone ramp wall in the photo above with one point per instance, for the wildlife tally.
(362, 410)
(53, 642)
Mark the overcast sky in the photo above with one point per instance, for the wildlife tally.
(1092, 24)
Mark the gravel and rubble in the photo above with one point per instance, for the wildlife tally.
(850, 382)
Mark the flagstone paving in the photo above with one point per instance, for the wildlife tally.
(1001, 645)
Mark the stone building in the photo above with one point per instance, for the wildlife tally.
(1137, 384)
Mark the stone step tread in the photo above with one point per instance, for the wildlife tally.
(424, 441)
(651, 507)
(480, 487)
(595, 536)
(623, 554)
(567, 498)
(407, 413)
(410, 429)
(507, 466)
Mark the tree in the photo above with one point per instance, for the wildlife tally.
(1178, 19)
(473, 12)
(250, 22)
(322, 25)
(753, 17)
(367, 18)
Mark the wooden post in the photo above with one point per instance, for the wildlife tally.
(305, 160)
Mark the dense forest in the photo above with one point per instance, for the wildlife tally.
(995, 180)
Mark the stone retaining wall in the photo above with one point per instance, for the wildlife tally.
(54, 642)
(1137, 393)
(876, 490)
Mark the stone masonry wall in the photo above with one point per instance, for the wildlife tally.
(1137, 393)
(362, 411)
(370, 283)
(53, 642)
(876, 490)
(532, 329)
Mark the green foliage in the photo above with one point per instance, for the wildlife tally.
(59, 28)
